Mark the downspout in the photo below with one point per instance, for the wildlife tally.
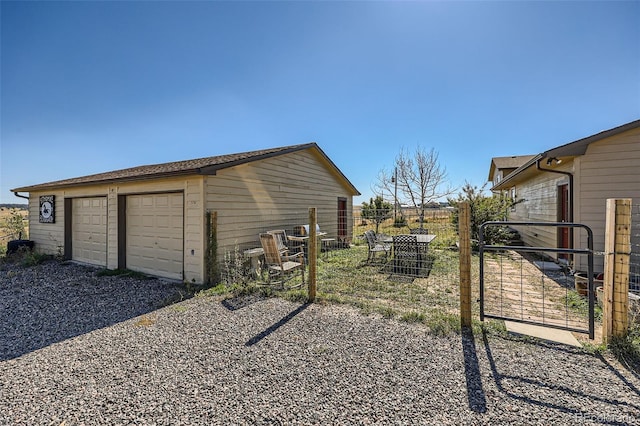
(21, 196)
(570, 185)
(570, 195)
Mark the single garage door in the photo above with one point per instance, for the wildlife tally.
(155, 234)
(89, 230)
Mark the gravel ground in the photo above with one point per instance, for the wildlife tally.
(77, 351)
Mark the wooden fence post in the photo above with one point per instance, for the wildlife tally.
(464, 233)
(313, 253)
(615, 306)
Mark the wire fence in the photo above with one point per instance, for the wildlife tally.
(536, 286)
(347, 271)
(412, 259)
(409, 244)
(634, 261)
(239, 250)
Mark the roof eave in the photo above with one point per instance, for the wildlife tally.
(53, 185)
(207, 170)
(511, 176)
(572, 149)
(211, 170)
(580, 146)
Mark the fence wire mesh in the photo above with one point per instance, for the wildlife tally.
(634, 260)
(530, 286)
(418, 287)
(407, 264)
(239, 250)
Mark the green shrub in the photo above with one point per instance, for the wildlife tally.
(31, 257)
(484, 209)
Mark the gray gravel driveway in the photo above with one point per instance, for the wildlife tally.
(269, 361)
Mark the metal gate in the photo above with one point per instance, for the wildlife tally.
(521, 284)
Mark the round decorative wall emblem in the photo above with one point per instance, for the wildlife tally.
(47, 209)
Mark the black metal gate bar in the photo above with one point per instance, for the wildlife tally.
(588, 251)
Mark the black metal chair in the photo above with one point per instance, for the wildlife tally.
(375, 246)
(407, 259)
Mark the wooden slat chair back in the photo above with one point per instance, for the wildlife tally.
(278, 265)
(281, 240)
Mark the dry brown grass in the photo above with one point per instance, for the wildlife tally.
(5, 233)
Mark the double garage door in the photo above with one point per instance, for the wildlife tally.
(154, 233)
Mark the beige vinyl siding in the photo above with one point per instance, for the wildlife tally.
(274, 193)
(540, 204)
(49, 238)
(609, 169)
(194, 230)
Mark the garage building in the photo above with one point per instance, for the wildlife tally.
(152, 218)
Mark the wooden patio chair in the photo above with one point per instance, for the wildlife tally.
(406, 255)
(279, 265)
(375, 247)
(281, 240)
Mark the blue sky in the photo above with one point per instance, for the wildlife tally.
(88, 87)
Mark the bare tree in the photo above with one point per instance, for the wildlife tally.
(417, 180)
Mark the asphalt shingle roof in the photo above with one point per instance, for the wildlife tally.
(206, 165)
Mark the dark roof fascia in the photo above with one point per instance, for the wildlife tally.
(326, 157)
(511, 176)
(211, 170)
(572, 149)
(579, 147)
(157, 175)
(55, 185)
(494, 164)
(207, 170)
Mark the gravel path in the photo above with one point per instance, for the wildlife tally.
(254, 361)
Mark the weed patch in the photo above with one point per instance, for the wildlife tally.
(413, 316)
(627, 348)
(146, 321)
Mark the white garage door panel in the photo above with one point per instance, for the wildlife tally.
(89, 230)
(155, 234)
